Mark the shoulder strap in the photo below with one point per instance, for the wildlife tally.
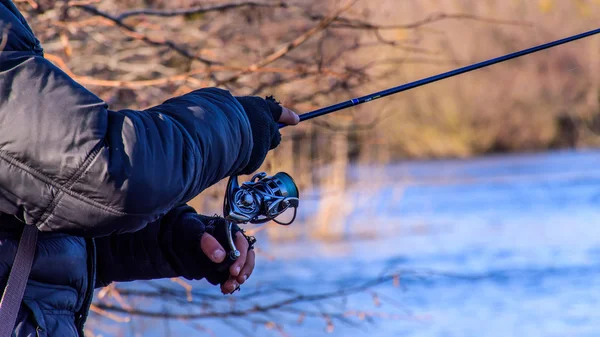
(17, 280)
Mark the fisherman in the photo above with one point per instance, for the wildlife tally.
(105, 191)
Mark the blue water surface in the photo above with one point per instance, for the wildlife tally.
(497, 246)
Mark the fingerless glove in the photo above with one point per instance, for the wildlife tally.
(184, 236)
(263, 115)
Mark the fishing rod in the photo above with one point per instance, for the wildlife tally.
(264, 198)
(435, 78)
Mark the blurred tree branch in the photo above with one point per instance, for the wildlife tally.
(432, 18)
(291, 45)
(194, 10)
(180, 77)
(118, 21)
(273, 302)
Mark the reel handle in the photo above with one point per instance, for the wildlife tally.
(233, 253)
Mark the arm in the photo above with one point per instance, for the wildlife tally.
(69, 164)
(166, 248)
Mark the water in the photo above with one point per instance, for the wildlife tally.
(498, 246)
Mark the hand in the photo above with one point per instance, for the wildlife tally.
(240, 270)
(288, 117)
(264, 116)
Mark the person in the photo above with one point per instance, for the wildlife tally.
(108, 190)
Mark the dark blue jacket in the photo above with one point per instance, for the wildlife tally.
(106, 188)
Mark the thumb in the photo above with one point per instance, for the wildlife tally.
(212, 248)
(289, 117)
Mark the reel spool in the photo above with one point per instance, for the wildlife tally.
(257, 201)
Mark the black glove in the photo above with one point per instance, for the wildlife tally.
(187, 258)
(263, 115)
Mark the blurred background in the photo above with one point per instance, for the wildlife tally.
(467, 207)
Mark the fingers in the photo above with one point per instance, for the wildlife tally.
(211, 247)
(234, 282)
(288, 117)
(229, 286)
(248, 268)
(243, 266)
(242, 245)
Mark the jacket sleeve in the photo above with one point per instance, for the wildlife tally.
(169, 247)
(70, 164)
(143, 255)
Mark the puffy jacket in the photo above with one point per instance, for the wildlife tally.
(105, 188)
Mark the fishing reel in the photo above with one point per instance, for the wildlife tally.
(262, 199)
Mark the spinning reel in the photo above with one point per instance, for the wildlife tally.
(262, 199)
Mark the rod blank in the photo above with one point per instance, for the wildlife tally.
(418, 83)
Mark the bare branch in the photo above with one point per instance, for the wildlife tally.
(31, 3)
(432, 18)
(291, 45)
(134, 33)
(109, 315)
(176, 78)
(197, 10)
(256, 308)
